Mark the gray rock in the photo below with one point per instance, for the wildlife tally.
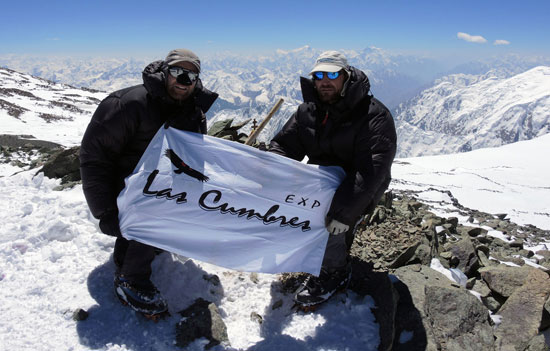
(517, 244)
(405, 257)
(65, 165)
(254, 278)
(453, 221)
(526, 253)
(217, 129)
(504, 280)
(465, 252)
(544, 253)
(201, 320)
(496, 242)
(411, 286)
(538, 343)
(492, 223)
(256, 317)
(522, 312)
(481, 288)
(226, 130)
(459, 320)
(400, 237)
(491, 303)
(80, 315)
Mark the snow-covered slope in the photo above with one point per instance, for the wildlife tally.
(512, 179)
(46, 110)
(466, 112)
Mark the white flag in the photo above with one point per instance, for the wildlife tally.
(228, 204)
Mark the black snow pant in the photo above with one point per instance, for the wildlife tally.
(133, 259)
(337, 251)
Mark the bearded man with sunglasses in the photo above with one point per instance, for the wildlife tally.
(117, 136)
(340, 124)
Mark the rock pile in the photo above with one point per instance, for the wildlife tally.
(497, 300)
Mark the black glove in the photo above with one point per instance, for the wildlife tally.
(108, 223)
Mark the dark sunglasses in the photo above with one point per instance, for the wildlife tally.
(182, 75)
(321, 75)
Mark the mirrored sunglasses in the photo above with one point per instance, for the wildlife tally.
(321, 75)
(182, 75)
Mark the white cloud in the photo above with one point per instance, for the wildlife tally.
(501, 42)
(471, 38)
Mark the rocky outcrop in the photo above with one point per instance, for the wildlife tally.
(201, 320)
(488, 299)
(64, 164)
(523, 310)
(226, 130)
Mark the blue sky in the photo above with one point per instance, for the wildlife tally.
(99, 27)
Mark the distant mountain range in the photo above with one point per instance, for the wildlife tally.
(465, 112)
(435, 111)
(242, 81)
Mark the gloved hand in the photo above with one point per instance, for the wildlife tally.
(108, 223)
(335, 227)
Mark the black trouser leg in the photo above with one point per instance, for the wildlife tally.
(119, 253)
(337, 251)
(136, 261)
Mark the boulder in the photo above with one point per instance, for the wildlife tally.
(411, 313)
(459, 320)
(504, 280)
(522, 312)
(65, 164)
(465, 252)
(201, 320)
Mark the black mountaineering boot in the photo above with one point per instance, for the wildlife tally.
(316, 290)
(142, 296)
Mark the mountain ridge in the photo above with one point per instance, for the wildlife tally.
(465, 112)
(250, 86)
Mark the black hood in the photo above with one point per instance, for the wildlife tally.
(154, 81)
(355, 89)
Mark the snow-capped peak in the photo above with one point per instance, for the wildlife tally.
(465, 112)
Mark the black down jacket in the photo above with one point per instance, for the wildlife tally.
(356, 133)
(122, 127)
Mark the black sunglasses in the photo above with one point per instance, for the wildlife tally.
(321, 75)
(182, 75)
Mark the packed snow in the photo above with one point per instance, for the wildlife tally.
(512, 179)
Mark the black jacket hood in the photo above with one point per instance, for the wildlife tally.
(154, 77)
(355, 89)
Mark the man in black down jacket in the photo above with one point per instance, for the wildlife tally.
(340, 124)
(117, 136)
